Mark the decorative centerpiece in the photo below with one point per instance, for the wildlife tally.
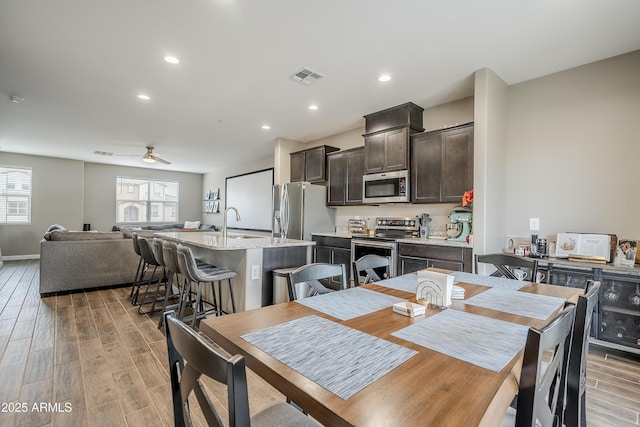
(434, 288)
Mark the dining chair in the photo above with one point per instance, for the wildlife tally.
(575, 405)
(368, 264)
(313, 274)
(506, 263)
(541, 387)
(192, 356)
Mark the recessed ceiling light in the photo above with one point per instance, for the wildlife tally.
(266, 127)
(143, 97)
(172, 59)
(313, 107)
(384, 78)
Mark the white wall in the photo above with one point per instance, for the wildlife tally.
(216, 180)
(489, 162)
(573, 150)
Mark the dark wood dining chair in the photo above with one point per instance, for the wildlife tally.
(368, 264)
(575, 405)
(542, 382)
(505, 263)
(192, 356)
(313, 274)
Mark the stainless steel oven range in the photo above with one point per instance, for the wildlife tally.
(384, 241)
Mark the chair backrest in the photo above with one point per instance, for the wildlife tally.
(541, 388)
(312, 274)
(504, 264)
(170, 256)
(187, 263)
(575, 409)
(367, 264)
(146, 251)
(136, 246)
(156, 245)
(190, 357)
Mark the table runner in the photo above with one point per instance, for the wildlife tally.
(406, 282)
(350, 303)
(521, 303)
(481, 341)
(340, 359)
(490, 281)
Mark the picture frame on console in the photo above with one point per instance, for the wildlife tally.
(626, 251)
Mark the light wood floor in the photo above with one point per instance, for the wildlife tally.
(103, 364)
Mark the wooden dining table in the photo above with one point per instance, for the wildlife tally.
(429, 389)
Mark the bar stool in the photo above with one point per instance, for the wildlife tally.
(150, 296)
(192, 273)
(136, 280)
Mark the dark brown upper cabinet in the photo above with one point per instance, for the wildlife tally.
(310, 165)
(386, 141)
(344, 177)
(442, 165)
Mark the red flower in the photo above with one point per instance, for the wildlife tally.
(467, 197)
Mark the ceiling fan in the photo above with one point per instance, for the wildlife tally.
(151, 157)
(148, 157)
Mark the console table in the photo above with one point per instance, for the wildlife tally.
(616, 323)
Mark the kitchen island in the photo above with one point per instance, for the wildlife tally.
(252, 257)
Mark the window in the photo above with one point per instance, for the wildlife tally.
(15, 195)
(146, 200)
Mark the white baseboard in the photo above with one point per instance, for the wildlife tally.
(19, 257)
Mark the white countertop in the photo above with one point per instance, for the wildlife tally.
(414, 240)
(235, 241)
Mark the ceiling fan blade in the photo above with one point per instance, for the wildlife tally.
(160, 159)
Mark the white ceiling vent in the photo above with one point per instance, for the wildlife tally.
(306, 76)
(103, 153)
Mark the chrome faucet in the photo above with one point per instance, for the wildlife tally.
(224, 223)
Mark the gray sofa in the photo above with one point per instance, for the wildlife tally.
(71, 260)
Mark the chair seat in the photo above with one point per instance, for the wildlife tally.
(281, 415)
(214, 274)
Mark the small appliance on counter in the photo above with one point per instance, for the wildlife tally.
(424, 225)
(357, 226)
(460, 226)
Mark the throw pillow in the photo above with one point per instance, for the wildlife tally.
(191, 225)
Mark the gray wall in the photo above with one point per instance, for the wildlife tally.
(100, 194)
(72, 192)
(573, 150)
(56, 197)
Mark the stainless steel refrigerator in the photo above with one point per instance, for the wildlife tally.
(299, 208)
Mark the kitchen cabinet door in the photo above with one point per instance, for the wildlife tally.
(336, 179)
(411, 265)
(344, 177)
(387, 151)
(457, 164)
(426, 168)
(355, 171)
(310, 165)
(442, 165)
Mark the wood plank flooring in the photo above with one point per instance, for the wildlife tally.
(89, 359)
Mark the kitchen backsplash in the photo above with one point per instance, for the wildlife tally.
(439, 213)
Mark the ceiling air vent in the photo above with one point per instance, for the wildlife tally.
(103, 153)
(306, 76)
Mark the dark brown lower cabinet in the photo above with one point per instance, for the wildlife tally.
(333, 250)
(414, 257)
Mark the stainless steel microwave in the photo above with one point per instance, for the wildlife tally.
(386, 187)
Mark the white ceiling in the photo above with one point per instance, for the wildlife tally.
(80, 64)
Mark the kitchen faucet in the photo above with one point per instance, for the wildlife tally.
(224, 223)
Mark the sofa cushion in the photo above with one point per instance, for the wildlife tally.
(59, 236)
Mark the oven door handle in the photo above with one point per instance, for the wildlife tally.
(373, 244)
